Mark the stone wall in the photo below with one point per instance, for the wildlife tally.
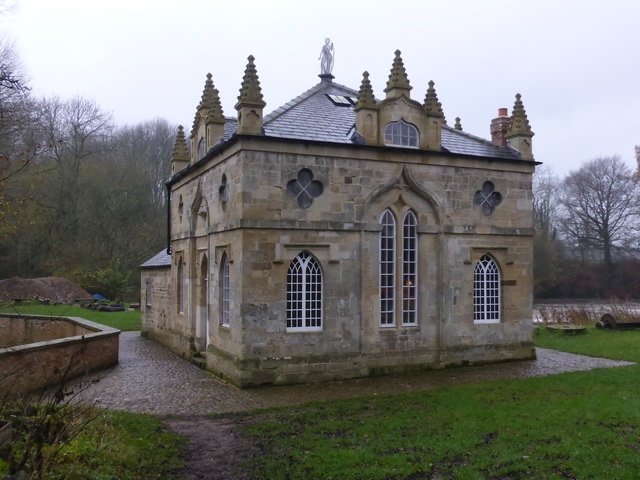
(261, 227)
(159, 312)
(20, 331)
(31, 367)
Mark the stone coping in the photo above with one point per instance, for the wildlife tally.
(98, 330)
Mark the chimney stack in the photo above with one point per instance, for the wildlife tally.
(500, 127)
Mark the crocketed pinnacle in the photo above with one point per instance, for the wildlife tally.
(211, 102)
(519, 121)
(431, 104)
(398, 76)
(250, 92)
(180, 151)
(209, 109)
(458, 125)
(365, 94)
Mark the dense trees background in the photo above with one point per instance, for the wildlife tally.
(80, 197)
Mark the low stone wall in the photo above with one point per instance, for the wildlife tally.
(29, 367)
(18, 330)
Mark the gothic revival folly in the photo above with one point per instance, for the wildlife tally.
(343, 235)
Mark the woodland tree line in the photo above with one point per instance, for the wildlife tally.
(83, 198)
(80, 197)
(586, 231)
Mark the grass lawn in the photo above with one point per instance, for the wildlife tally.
(575, 425)
(583, 425)
(615, 344)
(125, 321)
(118, 446)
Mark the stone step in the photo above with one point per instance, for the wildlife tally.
(199, 361)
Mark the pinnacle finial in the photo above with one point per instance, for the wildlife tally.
(365, 94)
(519, 121)
(210, 108)
(180, 151)
(431, 104)
(458, 125)
(250, 91)
(398, 77)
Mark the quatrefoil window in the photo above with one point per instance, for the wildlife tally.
(487, 198)
(305, 188)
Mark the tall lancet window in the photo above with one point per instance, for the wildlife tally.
(304, 293)
(486, 291)
(387, 268)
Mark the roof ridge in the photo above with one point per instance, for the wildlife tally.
(304, 96)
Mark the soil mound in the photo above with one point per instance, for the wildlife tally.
(54, 289)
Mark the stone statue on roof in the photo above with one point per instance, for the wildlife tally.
(326, 57)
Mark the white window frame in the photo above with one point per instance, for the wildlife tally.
(401, 134)
(225, 290)
(487, 291)
(387, 265)
(409, 269)
(398, 267)
(304, 294)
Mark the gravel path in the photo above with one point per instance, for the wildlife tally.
(151, 379)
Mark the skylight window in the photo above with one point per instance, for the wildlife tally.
(342, 100)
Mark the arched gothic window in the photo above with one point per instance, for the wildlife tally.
(409, 268)
(180, 286)
(223, 282)
(486, 291)
(392, 265)
(401, 134)
(304, 293)
(387, 268)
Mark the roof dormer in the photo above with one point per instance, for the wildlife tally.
(398, 120)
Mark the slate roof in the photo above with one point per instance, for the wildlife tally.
(314, 116)
(162, 259)
(457, 141)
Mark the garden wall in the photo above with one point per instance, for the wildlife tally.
(46, 361)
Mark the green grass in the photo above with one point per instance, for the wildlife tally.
(575, 425)
(119, 446)
(615, 344)
(125, 446)
(125, 321)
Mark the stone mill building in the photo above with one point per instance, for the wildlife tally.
(344, 235)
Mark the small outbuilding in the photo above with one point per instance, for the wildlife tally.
(343, 235)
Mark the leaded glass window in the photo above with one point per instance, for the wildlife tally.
(409, 268)
(401, 134)
(304, 293)
(486, 291)
(387, 268)
(398, 266)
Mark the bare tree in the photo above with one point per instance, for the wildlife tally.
(43, 203)
(546, 246)
(75, 131)
(601, 203)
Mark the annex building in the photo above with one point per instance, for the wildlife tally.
(343, 235)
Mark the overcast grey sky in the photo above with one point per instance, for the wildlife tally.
(574, 62)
